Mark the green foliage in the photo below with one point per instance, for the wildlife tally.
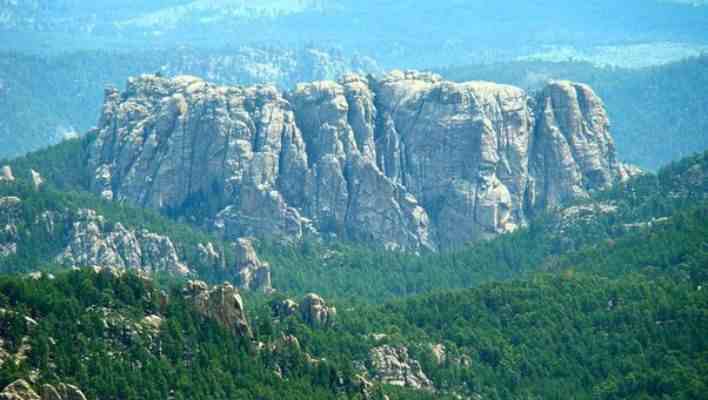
(38, 246)
(89, 333)
(661, 216)
(618, 311)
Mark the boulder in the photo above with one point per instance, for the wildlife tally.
(6, 174)
(221, 303)
(315, 312)
(61, 392)
(253, 273)
(393, 366)
(439, 353)
(19, 390)
(10, 216)
(152, 322)
(37, 180)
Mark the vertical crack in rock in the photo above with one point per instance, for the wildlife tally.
(406, 160)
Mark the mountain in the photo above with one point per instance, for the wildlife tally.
(655, 112)
(406, 160)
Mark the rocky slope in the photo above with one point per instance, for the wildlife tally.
(21, 390)
(93, 243)
(80, 231)
(408, 161)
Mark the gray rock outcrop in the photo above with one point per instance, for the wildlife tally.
(62, 392)
(37, 180)
(439, 353)
(21, 390)
(315, 312)
(253, 273)
(221, 303)
(93, 243)
(10, 210)
(6, 174)
(407, 161)
(393, 366)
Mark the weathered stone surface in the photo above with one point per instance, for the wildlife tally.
(93, 243)
(10, 209)
(407, 161)
(49, 392)
(6, 174)
(211, 255)
(153, 322)
(62, 392)
(222, 303)
(253, 273)
(393, 366)
(574, 150)
(315, 312)
(439, 352)
(70, 392)
(19, 390)
(37, 180)
(4, 355)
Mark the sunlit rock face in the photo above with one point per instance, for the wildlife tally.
(406, 161)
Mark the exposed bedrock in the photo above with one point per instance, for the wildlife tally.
(406, 161)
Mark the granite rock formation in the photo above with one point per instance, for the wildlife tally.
(62, 392)
(10, 217)
(221, 303)
(94, 243)
(21, 390)
(37, 180)
(253, 273)
(315, 312)
(393, 366)
(408, 161)
(6, 174)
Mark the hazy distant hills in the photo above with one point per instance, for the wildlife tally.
(415, 33)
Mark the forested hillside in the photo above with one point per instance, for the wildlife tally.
(620, 319)
(355, 271)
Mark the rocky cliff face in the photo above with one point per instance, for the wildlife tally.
(21, 390)
(408, 161)
(253, 273)
(93, 243)
(393, 366)
(9, 220)
(222, 303)
(315, 311)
